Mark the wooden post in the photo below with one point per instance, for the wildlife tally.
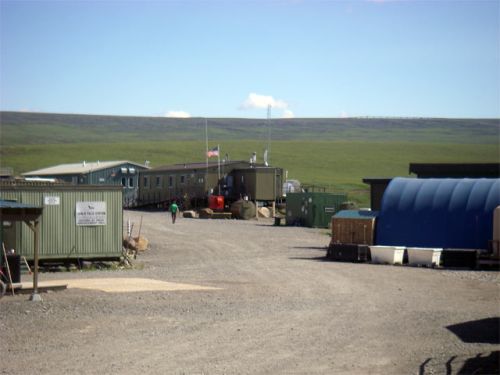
(36, 229)
(8, 268)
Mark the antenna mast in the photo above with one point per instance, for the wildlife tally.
(268, 133)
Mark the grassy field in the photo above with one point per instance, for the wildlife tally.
(339, 166)
(335, 153)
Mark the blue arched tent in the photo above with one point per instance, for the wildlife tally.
(447, 213)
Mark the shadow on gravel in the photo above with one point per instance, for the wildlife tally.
(316, 259)
(479, 365)
(484, 331)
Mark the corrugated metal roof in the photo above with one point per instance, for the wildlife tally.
(202, 165)
(79, 168)
(447, 213)
(6, 185)
(455, 170)
(14, 204)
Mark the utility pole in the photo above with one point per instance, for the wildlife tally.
(269, 133)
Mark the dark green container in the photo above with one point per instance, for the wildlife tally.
(62, 234)
(313, 210)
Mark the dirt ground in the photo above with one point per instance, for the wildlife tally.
(264, 301)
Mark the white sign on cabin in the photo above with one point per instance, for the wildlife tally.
(52, 201)
(90, 213)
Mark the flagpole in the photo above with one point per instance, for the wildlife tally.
(206, 155)
(268, 133)
(218, 167)
(206, 143)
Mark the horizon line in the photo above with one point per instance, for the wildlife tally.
(255, 118)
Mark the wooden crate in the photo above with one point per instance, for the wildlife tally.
(353, 231)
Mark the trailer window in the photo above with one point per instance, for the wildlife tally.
(170, 181)
(131, 182)
(146, 181)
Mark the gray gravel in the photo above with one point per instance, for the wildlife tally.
(281, 309)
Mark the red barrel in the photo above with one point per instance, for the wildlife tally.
(216, 202)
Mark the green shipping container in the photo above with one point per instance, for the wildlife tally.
(312, 209)
(77, 222)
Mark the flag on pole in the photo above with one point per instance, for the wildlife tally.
(213, 152)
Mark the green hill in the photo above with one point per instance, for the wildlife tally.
(40, 128)
(336, 153)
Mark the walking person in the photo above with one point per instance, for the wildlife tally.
(173, 211)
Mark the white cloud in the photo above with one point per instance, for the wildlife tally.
(263, 101)
(287, 114)
(179, 114)
(344, 114)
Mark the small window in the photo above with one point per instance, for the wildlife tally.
(158, 181)
(170, 181)
(131, 182)
(124, 181)
(183, 179)
(131, 170)
(146, 181)
(124, 170)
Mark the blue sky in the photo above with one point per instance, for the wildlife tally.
(234, 58)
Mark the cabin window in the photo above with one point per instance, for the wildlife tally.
(146, 181)
(124, 182)
(183, 179)
(158, 181)
(170, 181)
(131, 182)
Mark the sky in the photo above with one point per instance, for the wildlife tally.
(252, 59)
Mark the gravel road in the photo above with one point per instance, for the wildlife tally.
(278, 308)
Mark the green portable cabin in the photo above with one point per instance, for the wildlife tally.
(258, 183)
(312, 209)
(78, 222)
